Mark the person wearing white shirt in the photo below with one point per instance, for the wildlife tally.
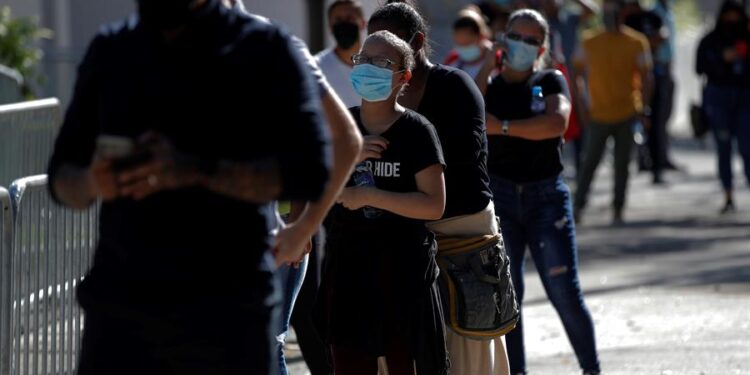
(346, 20)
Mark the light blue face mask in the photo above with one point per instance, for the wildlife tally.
(520, 56)
(469, 53)
(372, 83)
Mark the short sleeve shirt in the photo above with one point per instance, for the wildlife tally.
(413, 146)
(517, 159)
(613, 62)
(453, 104)
(197, 91)
(337, 73)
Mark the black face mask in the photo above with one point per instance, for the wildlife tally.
(164, 14)
(346, 34)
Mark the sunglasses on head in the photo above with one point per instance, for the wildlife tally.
(520, 38)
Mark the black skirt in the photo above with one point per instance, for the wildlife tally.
(381, 289)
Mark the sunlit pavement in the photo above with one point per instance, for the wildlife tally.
(669, 290)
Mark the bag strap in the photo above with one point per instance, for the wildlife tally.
(448, 245)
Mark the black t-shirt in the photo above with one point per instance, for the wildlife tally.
(376, 267)
(230, 87)
(413, 146)
(517, 159)
(454, 105)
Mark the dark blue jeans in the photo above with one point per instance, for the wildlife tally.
(539, 216)
(728, 112)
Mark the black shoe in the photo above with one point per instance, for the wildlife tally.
(577, 215)
(728, 208)
(617, 219)
(597, 372)
(658, 180)
(670, 166)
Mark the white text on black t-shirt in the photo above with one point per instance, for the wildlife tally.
(384, 168)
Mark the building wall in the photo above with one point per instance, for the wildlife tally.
(22, 8)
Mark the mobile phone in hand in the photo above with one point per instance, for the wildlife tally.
(123, 151)
(114, 147)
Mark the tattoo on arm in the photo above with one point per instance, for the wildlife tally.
(255, 182)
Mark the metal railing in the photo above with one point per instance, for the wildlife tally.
(51, 251)
(10, 85)
(27, 135)
(6, 241)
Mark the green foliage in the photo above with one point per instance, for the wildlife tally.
(18, 48)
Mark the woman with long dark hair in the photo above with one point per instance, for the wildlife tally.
(451, 101)
(527, 114)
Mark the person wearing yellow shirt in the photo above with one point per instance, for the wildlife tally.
(617, 65)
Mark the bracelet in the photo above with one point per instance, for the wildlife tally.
(505, 130)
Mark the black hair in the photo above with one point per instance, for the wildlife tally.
(472, 20)
(355, 3)
(466, 22)
(620, 3)
(404, 17)
(410, 3)
(732, 6)
(533, 16)
(536, 17)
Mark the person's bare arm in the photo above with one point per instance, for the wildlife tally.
(551, 124)
(347, 144)
(77, 187)
(427, 203)
(490, 63)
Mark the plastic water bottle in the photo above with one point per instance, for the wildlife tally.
(639, 136)
(363, 177)
(537, 100)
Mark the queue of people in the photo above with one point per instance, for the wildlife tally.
(390, 162)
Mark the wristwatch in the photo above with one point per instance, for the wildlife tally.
(505, 130)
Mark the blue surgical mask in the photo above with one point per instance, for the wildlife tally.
(372, 83)
(520, 56)
(469, 53)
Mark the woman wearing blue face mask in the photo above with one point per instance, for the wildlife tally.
(378, 295)
(527, 114)
(471, 42)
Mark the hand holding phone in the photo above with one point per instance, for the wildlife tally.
(122, 151)
(114, 147)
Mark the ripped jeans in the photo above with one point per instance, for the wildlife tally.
(539, 216)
